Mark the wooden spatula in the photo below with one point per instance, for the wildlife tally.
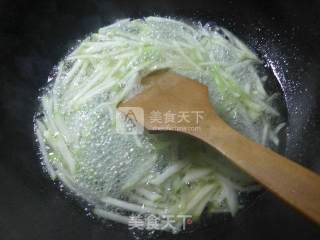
(175, 103)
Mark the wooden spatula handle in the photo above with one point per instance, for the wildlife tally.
(288, 180)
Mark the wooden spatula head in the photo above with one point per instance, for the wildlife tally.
(170, 102)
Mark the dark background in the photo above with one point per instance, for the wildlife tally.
(34, 35)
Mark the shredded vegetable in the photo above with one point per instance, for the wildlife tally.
(162, 174)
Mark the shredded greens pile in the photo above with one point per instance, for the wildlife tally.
(156, 174)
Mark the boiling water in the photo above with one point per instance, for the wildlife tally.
(77, 122)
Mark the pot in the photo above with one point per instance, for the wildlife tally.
(34, 35)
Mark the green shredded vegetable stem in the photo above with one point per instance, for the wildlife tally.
(168, 173)
(111, 216)
(130, 206)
